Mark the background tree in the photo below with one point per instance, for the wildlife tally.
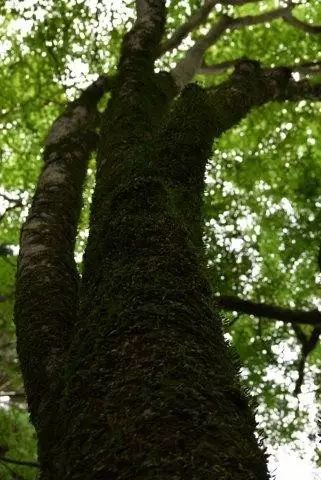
(261, 211)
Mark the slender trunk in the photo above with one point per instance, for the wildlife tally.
(47, 280)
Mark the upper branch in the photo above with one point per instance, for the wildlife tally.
(305, 27)
(304, 68)
(186, 69)
(194, 21)
(24, 463)
(251, 86)
(47, 280)
(271, 312)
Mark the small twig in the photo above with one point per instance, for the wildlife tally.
(20, 462)
(308, 345)
(13, 394)
(192, 22)
(9, 199)
(11, 207)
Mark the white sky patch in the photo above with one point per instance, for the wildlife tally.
(5, 46)
(285, 465)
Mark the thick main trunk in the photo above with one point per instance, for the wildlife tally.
(152, 391)
(151, 388)
(145, 385)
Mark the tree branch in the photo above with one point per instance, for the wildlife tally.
(24, 463)
(250, 86)
(18, 395)
(251, 20)
(305, 27)
(308, 345)
(271, 312)
(186, 69)
(194, 21)
(142, 41)
(218, 68)
(304, 68)
(47, 279)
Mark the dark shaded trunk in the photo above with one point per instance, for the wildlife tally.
(139, 384)
(151, 389)
(47, 280)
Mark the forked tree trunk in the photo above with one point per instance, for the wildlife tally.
(133, 380)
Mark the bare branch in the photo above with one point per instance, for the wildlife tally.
(186, 69)
(304, 68)
(266, 17)
(218, 68)
(194, 21)
(308, 345)
(9, 199)
(305, 27)
(238, 3)
(268, 311)
(19, 395)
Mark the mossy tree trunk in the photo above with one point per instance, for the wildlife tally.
(130, 378)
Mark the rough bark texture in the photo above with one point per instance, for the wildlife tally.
(151, 389)
(47, 280)
(146, 387)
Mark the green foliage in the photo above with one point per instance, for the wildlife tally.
(263, 197)
(17, 441)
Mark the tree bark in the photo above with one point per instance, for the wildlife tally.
(151, 389)
(144, 383)
(47, 280)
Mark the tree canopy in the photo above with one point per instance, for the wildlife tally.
(263, 197)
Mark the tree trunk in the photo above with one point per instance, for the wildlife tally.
(151, 389)
(152, 392)
(147, 387)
